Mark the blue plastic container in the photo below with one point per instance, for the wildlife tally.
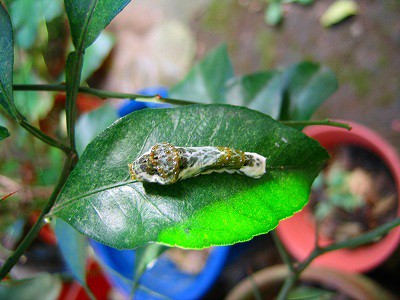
(164, 278)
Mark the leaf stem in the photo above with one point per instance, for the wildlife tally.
(33, 232)
(73, 77)
(282, 251)
(42, 136)
(101, 93)
(365, 238)
(327, 122)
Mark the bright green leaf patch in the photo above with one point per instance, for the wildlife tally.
(216, 209)
(338, 11)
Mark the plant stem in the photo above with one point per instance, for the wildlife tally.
(73, 78)
(31, 235)
(101, 94)
(42, 136)
(327, 122)
(365, 238)
(282, 251)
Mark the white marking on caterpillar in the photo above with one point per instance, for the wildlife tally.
(166, 164)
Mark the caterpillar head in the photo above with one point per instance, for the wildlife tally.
(161, 164)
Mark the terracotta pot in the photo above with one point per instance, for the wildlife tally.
(269, 280)
(298, 232)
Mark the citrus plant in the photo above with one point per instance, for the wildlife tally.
(95, 196)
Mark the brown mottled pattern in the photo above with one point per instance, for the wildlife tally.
(166, 164)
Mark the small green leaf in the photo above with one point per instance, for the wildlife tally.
(73, 247)
(338, 11)
(3, 133)
(302, 2)
(205, 82)
(6, 62)
(215, 209)
(274, 13)
(88, 18)
(260, 91)
(44, 287)
(306, 86)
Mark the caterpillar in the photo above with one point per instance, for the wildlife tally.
(165, 163)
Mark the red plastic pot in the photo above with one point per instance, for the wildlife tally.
(298, 232)
(96, 281)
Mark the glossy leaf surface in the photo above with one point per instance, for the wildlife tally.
(205, 82)
(6, 62)
(215, 209)
(88, 18)
(290, 94)
(260, 91)
(306, 86)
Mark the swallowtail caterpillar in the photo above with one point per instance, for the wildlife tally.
(166, 164)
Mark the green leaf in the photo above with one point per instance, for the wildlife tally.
(274, 13)
(144, 257)
(88, 18)
(73, 247)
(260, 91)
(302, 2)
(6, 62)
(338, 11)
(96, 54)
(306, 86)
(3, 133)
(44, 287)
(215, 209)
(205, 82)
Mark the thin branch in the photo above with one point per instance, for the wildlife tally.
(31, 235)
(42, 136)
(73, 77)
(282, 251)
(102, 94)
(327, 122)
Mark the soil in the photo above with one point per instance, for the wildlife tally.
(355, 193)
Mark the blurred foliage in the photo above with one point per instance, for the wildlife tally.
(28, 168)
(338, 11)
